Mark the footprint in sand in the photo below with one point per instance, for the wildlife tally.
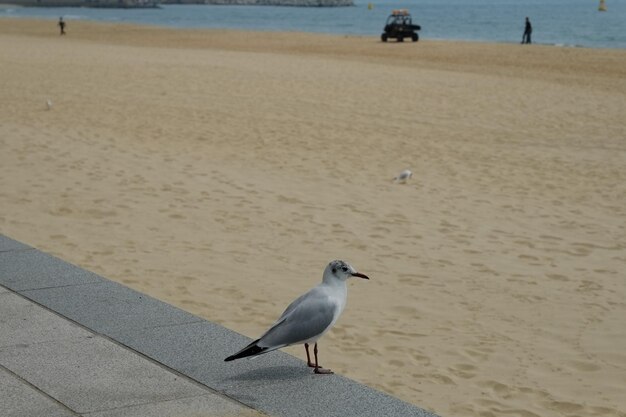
(100, 214)
(501, 390)
(583, 366)
(528, 257)
(422, 359)
(405, 311)
(480, 354)
(564, 407)
(289, 200)
(548, 237)
(411, 279)
(396, 363)
(61, 211)
(589, 286)
(557, 277)
(463, 370)
(441, 379)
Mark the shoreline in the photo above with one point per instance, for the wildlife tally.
(166, 27)
(111, 32)
(220, 172)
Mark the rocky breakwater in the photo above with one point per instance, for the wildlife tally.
(131, 4)
(295, 3)
(117, 4)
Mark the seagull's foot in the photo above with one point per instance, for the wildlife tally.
(310, 364)
(323, 371)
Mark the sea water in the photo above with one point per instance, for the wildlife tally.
(555, 22)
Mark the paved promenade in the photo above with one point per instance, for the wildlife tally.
(74, 343)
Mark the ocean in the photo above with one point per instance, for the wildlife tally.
(555, 22)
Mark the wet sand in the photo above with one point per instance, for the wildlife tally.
(221, 171)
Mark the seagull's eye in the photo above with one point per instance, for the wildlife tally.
(344, 269)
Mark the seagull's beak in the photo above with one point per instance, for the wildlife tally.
(358, 274)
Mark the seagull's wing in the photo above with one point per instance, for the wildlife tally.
(307, 317)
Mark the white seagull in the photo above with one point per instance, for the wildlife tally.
(308, 318)
(49, 104)
(403, 176)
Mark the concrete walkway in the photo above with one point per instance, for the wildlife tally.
(51, 366)
(73, 343)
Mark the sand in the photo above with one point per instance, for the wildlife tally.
(221, 171)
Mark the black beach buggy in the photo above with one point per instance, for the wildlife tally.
(400, 25)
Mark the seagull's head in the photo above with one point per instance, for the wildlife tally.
(340, 270)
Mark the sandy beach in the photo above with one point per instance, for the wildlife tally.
(221, 171)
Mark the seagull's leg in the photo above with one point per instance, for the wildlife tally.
(308, 357)
(319, 369)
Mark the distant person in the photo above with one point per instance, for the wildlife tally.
(528, 29)
(62, 25)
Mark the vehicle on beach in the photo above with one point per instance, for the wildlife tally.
(400, 25)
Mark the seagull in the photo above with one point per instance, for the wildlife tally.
(49, 104)
(403, 176)
(307, 318)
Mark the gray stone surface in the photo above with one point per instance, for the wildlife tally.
(109, 308)
(29, 269)
(90, 374)
(8, 244)
(272, 383)
(19, 399)
(50, 366)
(187, 407)
(22, 322)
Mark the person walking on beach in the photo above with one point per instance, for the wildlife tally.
(62, 25)
(528, 29)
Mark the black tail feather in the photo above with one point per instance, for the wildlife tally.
(250, 350)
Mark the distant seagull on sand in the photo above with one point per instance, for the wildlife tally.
(308, 318)
(49, 104)
(403, 176)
